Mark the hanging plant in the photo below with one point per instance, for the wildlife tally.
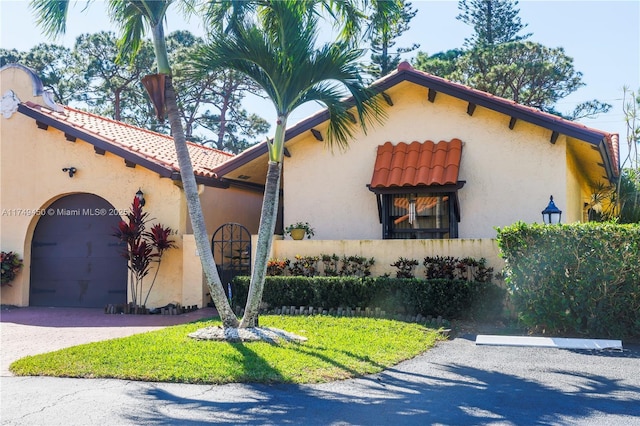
(11, 265)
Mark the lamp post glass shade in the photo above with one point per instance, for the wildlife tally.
(551, 214)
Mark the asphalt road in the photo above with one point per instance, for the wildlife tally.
(456, 383)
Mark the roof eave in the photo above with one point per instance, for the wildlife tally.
(96, 141)
(500, 105)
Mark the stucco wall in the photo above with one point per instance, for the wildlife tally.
(32, 178)
(509, 174)
(222, 206)
(386, 252)
(577, 194)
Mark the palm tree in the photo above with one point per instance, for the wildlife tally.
(278, 51)
(134, 18)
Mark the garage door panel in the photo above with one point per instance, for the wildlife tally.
(76, 261)
(76, 268)
(75, 293)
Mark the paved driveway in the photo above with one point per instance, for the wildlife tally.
(456, 383)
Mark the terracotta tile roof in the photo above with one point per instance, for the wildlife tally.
(417, 164)
(149, 149)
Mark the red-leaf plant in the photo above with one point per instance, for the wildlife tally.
(143, 248)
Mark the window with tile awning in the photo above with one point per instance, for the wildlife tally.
(417, 187)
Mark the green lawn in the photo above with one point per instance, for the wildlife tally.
(338, 348)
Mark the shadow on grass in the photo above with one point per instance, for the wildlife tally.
(451, 394)
(255, 368)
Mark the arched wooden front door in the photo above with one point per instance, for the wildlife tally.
(75, 260)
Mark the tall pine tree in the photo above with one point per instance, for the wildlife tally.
(494, 22)
(385, 27)
(498, 59)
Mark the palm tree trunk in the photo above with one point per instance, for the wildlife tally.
(263, 249)
(200, 234)
(267, 227)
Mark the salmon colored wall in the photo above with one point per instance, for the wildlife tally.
(222, 206)
(509, 174)
(32, 178)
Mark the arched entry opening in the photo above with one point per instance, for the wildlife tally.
(75, 260)
(231, 246)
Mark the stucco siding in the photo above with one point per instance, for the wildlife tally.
(222, 206)
(32, 160)
(509, 174)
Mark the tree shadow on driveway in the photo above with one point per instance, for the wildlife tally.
(417, 392)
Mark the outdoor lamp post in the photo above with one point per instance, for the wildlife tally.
(140, 197)
(551, 214)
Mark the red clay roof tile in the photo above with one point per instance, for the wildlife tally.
(417, 164)
(152, 146)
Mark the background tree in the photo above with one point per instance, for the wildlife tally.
(628, 190)
(498, 60)
(277, 49)
(494, 22)
(385, 26)
(528, 73)
(113, 89)
(211, 108)
(441, 64)
(89, 77)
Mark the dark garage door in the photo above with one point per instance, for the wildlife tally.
(75, 260)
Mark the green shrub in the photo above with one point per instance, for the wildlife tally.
(451, 299)
(405, 267)
(581, 279)
(332, 266)
(453, 268)
(11, 265)
(305, 266)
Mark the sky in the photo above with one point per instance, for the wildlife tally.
(603, 38)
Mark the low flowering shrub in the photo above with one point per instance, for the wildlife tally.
(323, 265)
(277, 267)
(304, 266)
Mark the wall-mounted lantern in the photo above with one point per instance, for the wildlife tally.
(140, 197)
(551, 214)
(70, 170)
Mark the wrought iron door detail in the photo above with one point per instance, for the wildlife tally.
(231, 247)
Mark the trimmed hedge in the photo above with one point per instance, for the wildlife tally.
(451, 299)
(581, 279)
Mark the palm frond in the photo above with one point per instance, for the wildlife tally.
(133, 26)
(279, 53)
(135, 17)
(51, 16)
(224, 16)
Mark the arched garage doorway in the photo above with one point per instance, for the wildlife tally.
(75, 260)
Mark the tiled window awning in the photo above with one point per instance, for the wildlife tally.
(417, 164)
